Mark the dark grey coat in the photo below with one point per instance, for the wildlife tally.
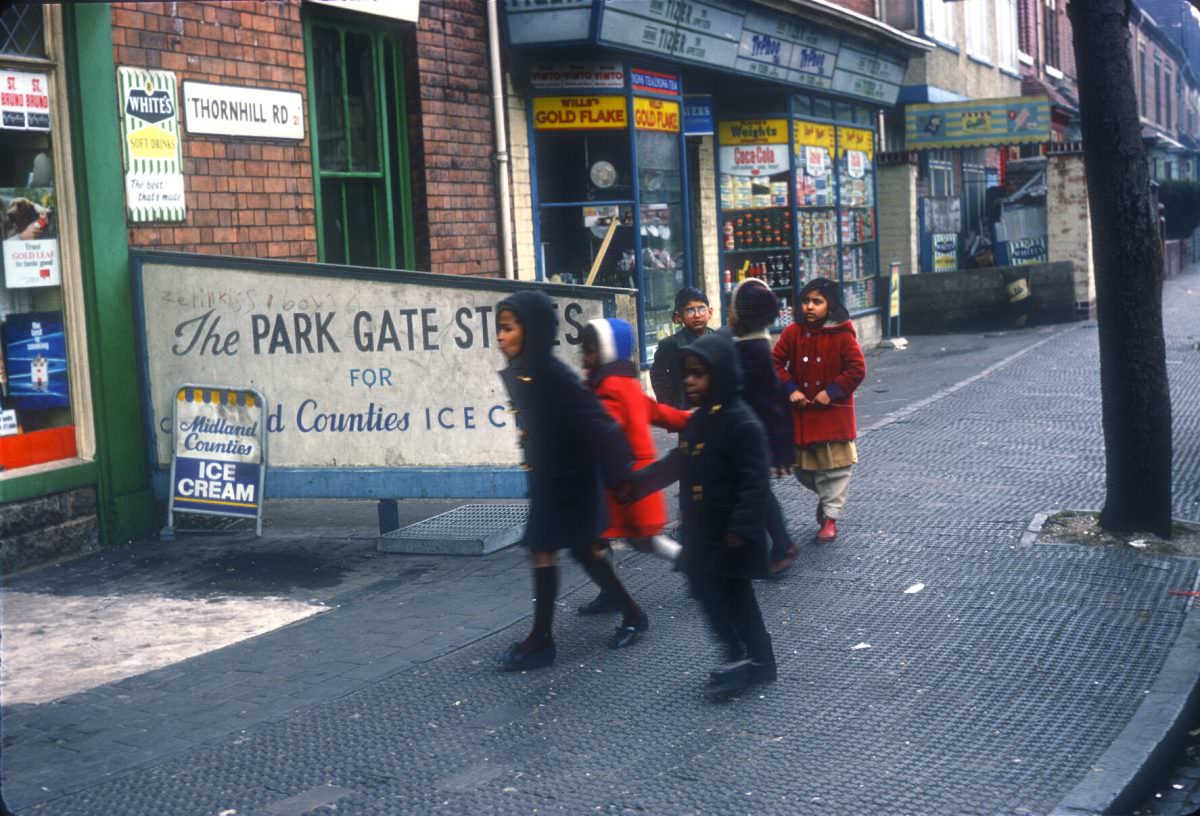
(570, 441)
(722, 467)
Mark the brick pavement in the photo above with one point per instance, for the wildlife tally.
(996, 689)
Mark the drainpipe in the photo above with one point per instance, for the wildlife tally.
(499, 125)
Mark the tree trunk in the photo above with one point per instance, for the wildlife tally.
(1129, 269)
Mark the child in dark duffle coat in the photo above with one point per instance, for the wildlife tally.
(666, 372)
(819, 361)
(722, 468)
(607, 349)
(570, 444)
(753, 307)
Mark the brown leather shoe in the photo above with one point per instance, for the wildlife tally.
(828, 531)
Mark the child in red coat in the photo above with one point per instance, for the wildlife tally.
(820, 364)
(608, 347)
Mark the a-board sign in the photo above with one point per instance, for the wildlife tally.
(379, 382)
(219, 452)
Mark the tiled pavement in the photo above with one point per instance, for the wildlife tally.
(997, 689)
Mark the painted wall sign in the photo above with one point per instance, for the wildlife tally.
(35, 360)
(24, 101)
(219, 455)
(232, 110)
(578, 75)
(578, 112)
(541, 21)
(698, 115)
(977, 123)
(359, 372)
(656, 114)
(150, 145)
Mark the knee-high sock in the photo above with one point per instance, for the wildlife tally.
(601, 571)
(545, 593)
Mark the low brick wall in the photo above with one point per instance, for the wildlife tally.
(976, 299)
(41, 530)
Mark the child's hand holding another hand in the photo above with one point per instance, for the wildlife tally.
(798, 399)
(822, 397)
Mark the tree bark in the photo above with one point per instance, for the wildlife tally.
(1129, 270)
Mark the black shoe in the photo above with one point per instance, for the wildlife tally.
(600, 605)
(626, 635)
(514, 659)
(734, 678)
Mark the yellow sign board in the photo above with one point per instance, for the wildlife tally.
(656, 114)
(856, 139)
(894, 293)
(753, 131)
(152, 143)
(579, 112)
(813, 134)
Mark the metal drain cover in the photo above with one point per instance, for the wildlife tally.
(473, 529)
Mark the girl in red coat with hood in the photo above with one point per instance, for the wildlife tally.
(819, 361)
(607, 347)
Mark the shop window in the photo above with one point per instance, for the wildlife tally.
(610, 199)
(360, 144)
(974, 194)
(37, 415)
(979, 34)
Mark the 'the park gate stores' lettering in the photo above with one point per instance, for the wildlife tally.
(354, 372)
(385, 330)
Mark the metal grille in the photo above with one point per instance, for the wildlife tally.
(473, 529)
(21, 29)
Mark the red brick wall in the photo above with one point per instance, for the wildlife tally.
(246, 197)
(453, 170)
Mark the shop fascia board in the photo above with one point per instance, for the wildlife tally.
(852, 22)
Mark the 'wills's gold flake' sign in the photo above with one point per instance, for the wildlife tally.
(579, 112)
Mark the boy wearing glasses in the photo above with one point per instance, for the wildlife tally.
(666, 372)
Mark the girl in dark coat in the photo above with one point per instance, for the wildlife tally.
(752, 308)
(722, 467)
(569, 441)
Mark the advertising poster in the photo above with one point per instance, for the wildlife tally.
(24, 101)
(150, 145)
(218, 452)
(945, 252)
(29, 237)
(36, 360)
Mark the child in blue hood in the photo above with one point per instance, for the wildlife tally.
(722, 468)
(571, 445)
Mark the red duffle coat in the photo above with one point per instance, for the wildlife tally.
(635, 412)
(823, 358)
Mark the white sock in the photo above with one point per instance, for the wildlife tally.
(665, 547)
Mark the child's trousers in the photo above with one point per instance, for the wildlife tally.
(831, 487)
(733, 613)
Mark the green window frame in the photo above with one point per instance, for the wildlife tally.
(357, 113)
